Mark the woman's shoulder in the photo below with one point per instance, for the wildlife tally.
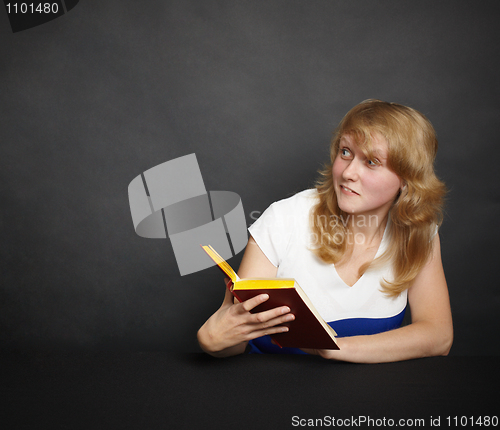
(303, 199)
(289, 213)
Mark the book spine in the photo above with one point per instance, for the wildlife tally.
(230, 286)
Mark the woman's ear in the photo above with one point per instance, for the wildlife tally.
(402, 189)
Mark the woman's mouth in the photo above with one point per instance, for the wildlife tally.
(348, 191)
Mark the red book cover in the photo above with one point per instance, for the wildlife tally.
(307, 330)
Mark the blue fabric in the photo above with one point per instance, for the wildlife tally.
(343, 328)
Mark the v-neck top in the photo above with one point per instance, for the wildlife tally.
(284, 235)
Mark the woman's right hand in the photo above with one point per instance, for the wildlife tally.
(229, 329)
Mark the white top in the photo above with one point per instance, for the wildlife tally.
(283, 233)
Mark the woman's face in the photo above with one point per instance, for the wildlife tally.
(364, 186)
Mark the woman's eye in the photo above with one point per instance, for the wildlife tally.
(373, 163)
(345, 152)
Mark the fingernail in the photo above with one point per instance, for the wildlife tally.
(285, 310)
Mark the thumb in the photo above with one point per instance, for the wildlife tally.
(228, 298)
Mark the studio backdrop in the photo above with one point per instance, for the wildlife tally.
(106, 91)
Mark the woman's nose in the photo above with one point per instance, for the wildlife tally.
(351, 172)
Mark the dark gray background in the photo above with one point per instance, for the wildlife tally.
(255, 89)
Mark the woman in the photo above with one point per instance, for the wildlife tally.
(362, 245)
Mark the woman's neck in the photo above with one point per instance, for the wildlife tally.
(366, 230)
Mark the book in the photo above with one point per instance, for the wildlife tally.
(307, 330)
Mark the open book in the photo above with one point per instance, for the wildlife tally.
(307, 330)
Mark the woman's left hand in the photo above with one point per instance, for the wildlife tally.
(330, 354)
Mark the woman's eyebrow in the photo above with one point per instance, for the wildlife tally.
(380, 155)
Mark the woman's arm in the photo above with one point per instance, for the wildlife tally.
(229, 329)
(429, 334)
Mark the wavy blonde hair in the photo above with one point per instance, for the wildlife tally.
(417, 209)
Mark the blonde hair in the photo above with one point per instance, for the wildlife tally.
(416, 211)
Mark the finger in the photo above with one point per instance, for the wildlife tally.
(256, 329)
(268, 331)
(249, 304)
(271, 317)
(275, 323)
